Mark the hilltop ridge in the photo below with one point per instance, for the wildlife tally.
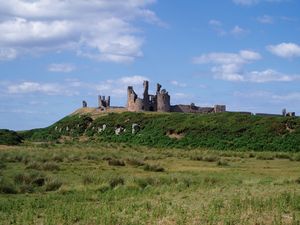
(222, 131)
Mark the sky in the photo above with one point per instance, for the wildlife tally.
(55, 53)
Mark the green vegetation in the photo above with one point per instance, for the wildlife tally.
(8, 137)
(76, 184)
(224, 131)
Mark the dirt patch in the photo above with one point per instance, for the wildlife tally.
(175, 135)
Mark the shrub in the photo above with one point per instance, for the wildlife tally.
(282, 155)
(57, 158)
(211, 158)
(52, 184)
(34, 165)
(153, 168)
(297, 157)
(87, 179)
(116, 181)
(28, 181)
(144, 182)
(103, 188)
(297, 180)
(196, 157)
(210, 180)
(2, 165)
(50, 166)
(265, 156)
(8, 137)
(92, 157)
(116, 162)
(7, 187)
(135, 162)
(222, 162)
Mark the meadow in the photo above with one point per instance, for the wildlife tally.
(115, 183)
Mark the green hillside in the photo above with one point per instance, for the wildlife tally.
(224, 131)
(8, 137)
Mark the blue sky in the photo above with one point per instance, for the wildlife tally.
(56, 53)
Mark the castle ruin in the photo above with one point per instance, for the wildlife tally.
(160, 102)
(103, 102)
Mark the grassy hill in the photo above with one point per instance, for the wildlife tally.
(8, 137)
(224, 131)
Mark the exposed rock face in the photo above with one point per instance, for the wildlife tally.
(119, 130)
(135, 128)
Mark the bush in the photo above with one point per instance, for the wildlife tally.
(87, 179)
(29, 181)
(116, 181)
(57, 158)
(50, 166)
(103, 188)
(8, 137)
(211, 158)
(282, 155)
(2, 165)
(116, 162)
(144, 182)
(7, 187)
(210, 180)
(52, 185)
(34, 165)
(196, 157)
(265, 156)
(153, 168)
(135, 162)
(222, 162)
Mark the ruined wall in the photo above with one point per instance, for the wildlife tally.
(146, 104)
(219, 108)
(160, 102)
(163, 101)
(131, 98)
(191, 109)
(103, 102)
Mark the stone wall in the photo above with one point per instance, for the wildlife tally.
(163, 101)
(191, 109)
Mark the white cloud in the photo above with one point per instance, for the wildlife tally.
(29, 87)
(253, 2)
(270, 75)
(214, 22)
(180, 95)
(238, 31)
(245, 2)
(98, 29)
(178, 84)
(265, 19)
(295, 96)
(7, 54)
(230, 67)
(285, 50)
(217, 26)
(242, 57)
(63, 68)
(116, 88)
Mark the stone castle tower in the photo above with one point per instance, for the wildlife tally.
(159, 102)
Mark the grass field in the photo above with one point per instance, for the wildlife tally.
(119, 184)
